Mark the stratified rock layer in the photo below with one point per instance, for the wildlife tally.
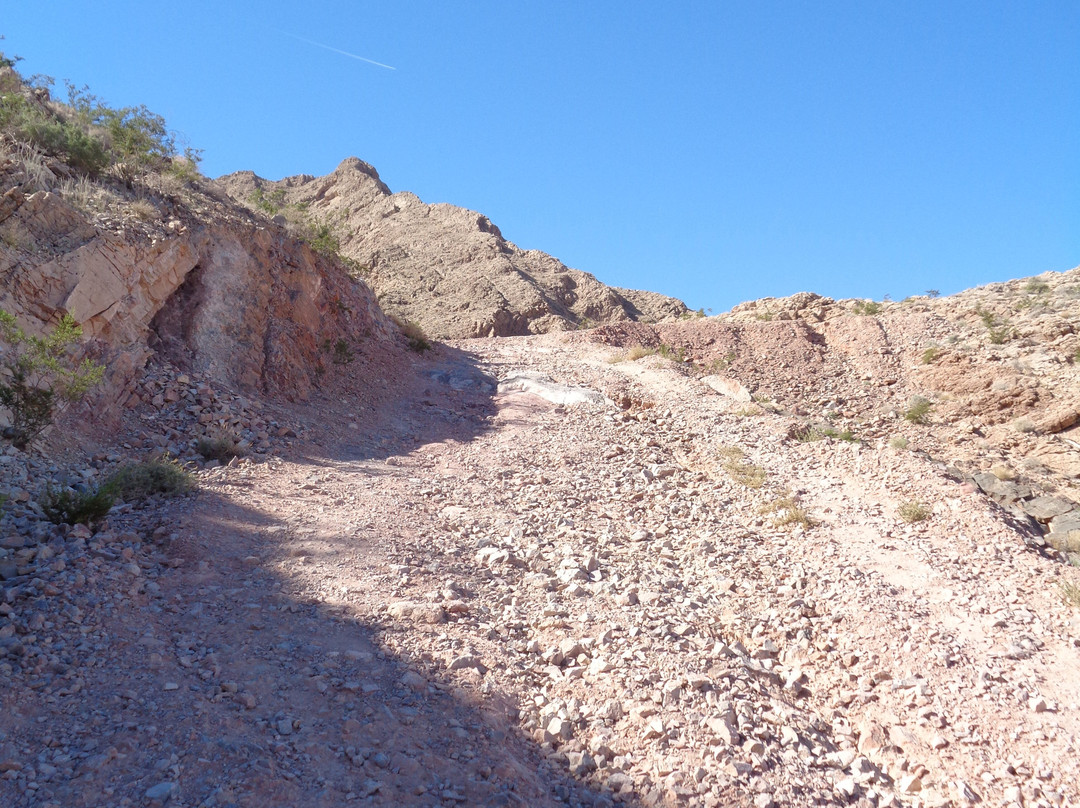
(448, 268)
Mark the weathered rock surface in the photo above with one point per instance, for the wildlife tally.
(248, 306)
(448, 268)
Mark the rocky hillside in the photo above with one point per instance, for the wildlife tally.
(444, 267)
(805, 553)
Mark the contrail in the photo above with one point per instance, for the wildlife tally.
(336, 50)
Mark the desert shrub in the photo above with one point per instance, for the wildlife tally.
(930, 355)
(918, 411)
(1003, 473)
(66, 506)
(1036, 287)
(39, 377)
(1023, 424)
(913, 511)
(144, 210)
(675, 354)
(414, 333)
(135, 481)
(322, 239)
(28, 122)
(866, 307)
(221, 447)
(813, 433)
(269, 203)
(932, 293)
(898, 442)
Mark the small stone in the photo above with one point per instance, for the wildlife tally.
(910, 784)
(161, 792)
(171, 686)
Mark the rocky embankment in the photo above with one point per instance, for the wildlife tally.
(447, 268)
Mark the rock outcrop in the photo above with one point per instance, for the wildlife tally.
(448, 268)
(221, 295)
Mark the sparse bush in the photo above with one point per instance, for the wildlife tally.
(144, 210)
(1024, 424)
(932, 293)
(414, 333)
(898, 442)
(39, 377)
(918, 411)
(343, 354)
(930, 355)
(220, 447)
(1003, 473)
(913, 511)
(1036, 287)
(866, 307)
(269, 203)
(135, 481)
(67, 506)
(672, 353)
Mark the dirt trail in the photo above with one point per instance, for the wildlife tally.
(460, 596)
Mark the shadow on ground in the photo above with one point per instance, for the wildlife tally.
(230, 681)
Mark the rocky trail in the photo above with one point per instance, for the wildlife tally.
(461, 592)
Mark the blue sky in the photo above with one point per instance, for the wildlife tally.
(714, 151)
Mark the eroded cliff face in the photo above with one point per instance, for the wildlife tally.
(448, 268)
(245, 305)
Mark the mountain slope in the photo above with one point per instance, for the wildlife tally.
(445, 267)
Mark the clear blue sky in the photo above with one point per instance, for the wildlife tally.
(715, 151)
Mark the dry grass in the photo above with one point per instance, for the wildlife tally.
(745, 474)
(913, 511)
(1003, 473)
(898, 442)
(144, 210)
(788, 513)
(1070, 593)
(640, 351)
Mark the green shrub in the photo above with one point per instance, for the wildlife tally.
(898, 442)
(69, 507)
(866, 307)
(918, 411)
(39, 377)
(343, 354)
(135, 481)
(28, 122)
(930, 355)
(932, 293)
